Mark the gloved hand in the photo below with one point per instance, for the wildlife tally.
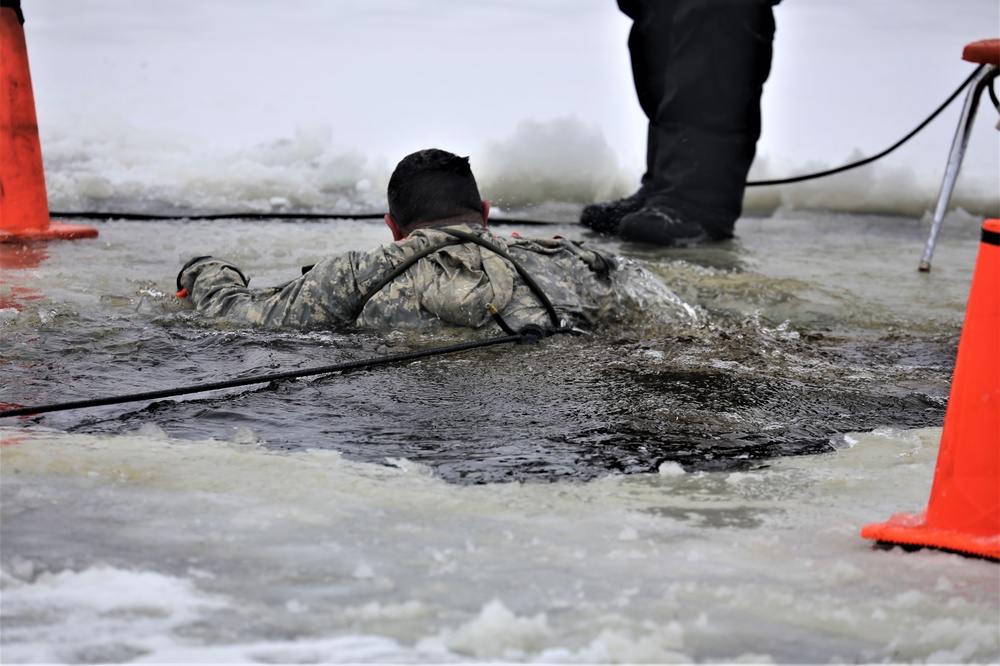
(190, 271)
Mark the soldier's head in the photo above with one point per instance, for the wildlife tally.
(433, 187)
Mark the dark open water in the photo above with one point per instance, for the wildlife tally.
(768, 366)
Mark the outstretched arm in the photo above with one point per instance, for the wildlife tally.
(322, 298)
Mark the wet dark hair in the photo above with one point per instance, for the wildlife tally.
(430, 185)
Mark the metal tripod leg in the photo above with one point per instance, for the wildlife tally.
(958, 145)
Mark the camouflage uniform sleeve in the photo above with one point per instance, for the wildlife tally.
(324, 297)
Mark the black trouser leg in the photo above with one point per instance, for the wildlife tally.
(699, 68)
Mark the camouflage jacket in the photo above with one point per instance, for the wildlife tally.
(450, 286)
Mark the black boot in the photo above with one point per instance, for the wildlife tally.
(658, 226)
(604, 217)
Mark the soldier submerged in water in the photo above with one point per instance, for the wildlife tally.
(444, 268)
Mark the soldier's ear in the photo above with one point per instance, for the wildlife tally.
(397, 231)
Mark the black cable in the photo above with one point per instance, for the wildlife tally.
(263, 379)
(372, 216)
(233, 383)
(396, 272)
(152, 217)
(462, 237)
(97, 215)
(868, 160)
(528, 280)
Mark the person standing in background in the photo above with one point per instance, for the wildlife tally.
(699, 68)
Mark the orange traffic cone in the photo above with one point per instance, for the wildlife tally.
(963, 513)
(24, 205)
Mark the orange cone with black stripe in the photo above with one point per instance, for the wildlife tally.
(963, 513)
(24, 206)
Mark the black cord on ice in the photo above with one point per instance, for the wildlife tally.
(92, 215)
(530, 334)
(152, 217)
(868, 160)
(246, 215)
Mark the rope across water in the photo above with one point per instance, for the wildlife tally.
(530, 334)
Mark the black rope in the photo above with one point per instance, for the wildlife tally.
(396, 272)
(530, 281)
(152, 217)
(111, 215)
(868, 160)
(462, 237)
(528, 334)
(370, 216)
